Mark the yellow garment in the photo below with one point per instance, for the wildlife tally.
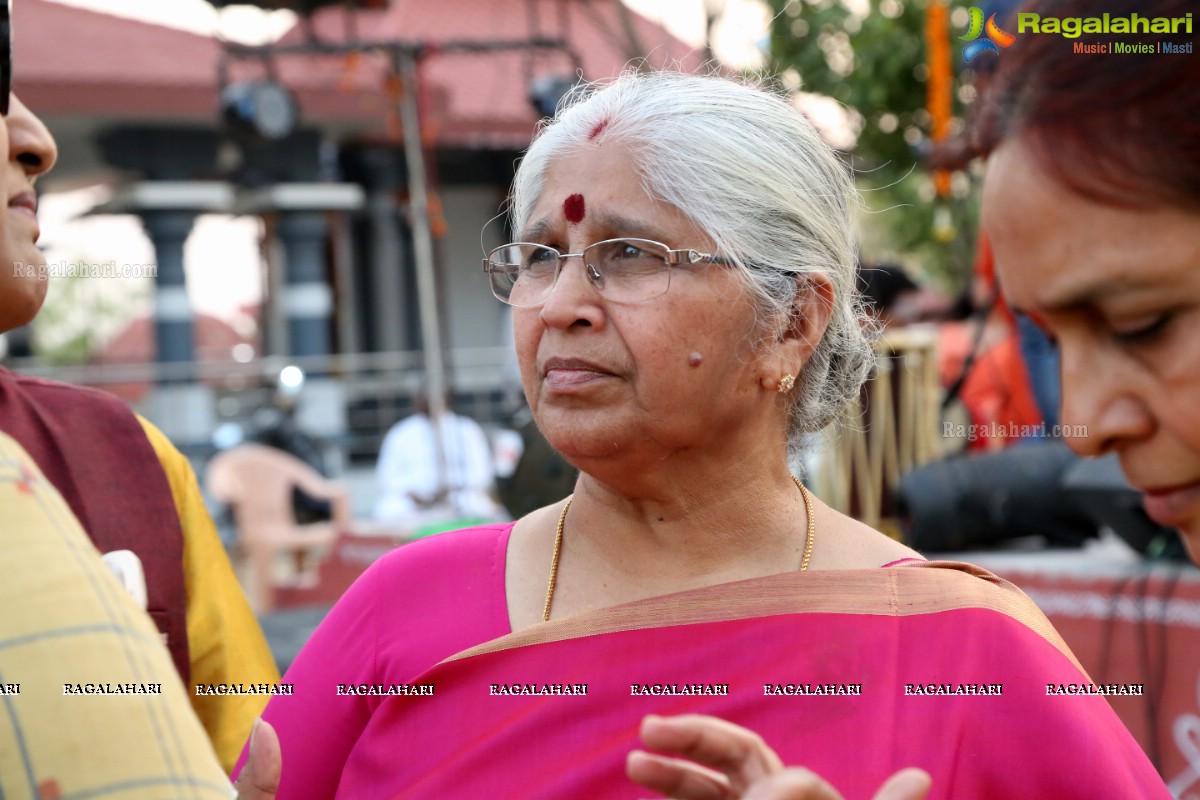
(66, 621)
(225, 643)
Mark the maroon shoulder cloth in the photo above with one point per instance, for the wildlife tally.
(91, 446)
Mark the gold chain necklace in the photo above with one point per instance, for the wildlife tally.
(562, 521)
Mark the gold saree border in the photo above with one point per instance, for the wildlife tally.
(926, 587)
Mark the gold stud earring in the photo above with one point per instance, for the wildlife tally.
(786, 383)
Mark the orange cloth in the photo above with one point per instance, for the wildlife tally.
(985, 270)
(996, 393)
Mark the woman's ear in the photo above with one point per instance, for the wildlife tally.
(811, 311)
(812, 308)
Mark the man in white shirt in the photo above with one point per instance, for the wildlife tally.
(418, 484)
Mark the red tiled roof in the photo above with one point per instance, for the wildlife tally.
(134, 344)
(481, 99)
(73, 61)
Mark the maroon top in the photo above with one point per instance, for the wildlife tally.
(92, 448)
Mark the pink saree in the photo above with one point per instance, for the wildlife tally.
(853, 674)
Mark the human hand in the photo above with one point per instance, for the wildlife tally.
(259, 778)
(729, 762)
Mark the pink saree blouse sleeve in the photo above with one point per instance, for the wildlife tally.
(412, 608)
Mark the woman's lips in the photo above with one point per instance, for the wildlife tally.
(569, 373)
(1172, 506)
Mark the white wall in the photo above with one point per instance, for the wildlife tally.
(474, 317)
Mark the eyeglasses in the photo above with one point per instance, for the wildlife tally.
(6, 70)
(622, 270)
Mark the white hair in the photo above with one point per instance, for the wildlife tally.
(751, 171)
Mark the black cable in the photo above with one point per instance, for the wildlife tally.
(973, 354)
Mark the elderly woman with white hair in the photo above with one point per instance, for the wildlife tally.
(683, 311)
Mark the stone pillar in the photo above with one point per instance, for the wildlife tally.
(388, 260)
(181, 407)
(308, 299)
(173, 330)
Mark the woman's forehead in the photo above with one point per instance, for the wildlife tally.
(608, 224)
(1055, 248)
(599, 189)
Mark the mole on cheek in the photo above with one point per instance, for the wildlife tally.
(574, 208)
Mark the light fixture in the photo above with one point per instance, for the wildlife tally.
(547, 91)
(262, 110)
(290, 381)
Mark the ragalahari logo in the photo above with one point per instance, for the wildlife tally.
(997, 37)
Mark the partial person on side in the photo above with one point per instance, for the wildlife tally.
(128, 486)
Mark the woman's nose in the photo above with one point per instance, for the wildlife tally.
(1105, 413)
(575, 297)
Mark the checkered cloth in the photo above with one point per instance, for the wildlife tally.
(66, 620)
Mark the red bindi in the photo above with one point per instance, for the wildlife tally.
(600, 126)
(574, 209)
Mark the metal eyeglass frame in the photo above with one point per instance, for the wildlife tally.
(674, 258)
